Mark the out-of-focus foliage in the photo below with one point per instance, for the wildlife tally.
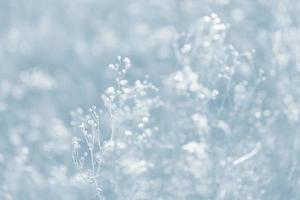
(207, 106)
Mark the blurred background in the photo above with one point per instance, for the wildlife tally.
(54, 57)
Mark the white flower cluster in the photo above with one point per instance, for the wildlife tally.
(124, 104)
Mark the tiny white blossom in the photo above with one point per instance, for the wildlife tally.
(110, 90)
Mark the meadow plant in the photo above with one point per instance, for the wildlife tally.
(127, 108)
(204, 98)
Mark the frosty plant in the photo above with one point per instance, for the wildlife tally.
(87, 155)
(128, 110)
(215, 84)
(209, 98)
